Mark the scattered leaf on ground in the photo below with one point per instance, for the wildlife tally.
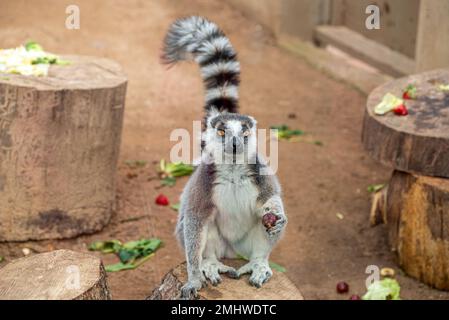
(131, 254)
(62, 62)
(175, 206)
(110, 246)
(118, 267)
(1, 259)
(168, 172)
(174, 169)
(285, 133)
(273, 265)
(277, 267)
(168, 181)
(385, 289)
(375, 187)
(135, 163)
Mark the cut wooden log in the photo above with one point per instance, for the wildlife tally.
(418, 222)
(56, 275)
(418, 142)
(59, 145)
(278, 287)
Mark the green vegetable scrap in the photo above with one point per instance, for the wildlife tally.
(168, 181)
(29, 59)
(285, 133)
(385, 289)
(131, 254)
(409, 92)
(175, 206)
(273, 265)
(1, 258)
(136, 163)
(33, 46)
(388, 103)
(277, 267)
(375, 187)
(168, 172)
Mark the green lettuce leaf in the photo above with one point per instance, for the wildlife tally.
(385, 289)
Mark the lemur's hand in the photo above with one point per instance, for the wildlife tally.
(278, 226)
(274, 217)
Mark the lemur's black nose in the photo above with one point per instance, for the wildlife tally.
(234, 143)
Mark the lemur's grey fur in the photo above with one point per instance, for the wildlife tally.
(224, 201)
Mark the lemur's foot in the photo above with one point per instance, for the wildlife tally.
(212, 268)
(189, 291)
(260, 272)
(278, 227)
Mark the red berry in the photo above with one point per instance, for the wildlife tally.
(355, 297)
(406, 96)
(400, 110)
(342, 287)
(269, 220)
(162, 200)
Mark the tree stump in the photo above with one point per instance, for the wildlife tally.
(56, 275)
(418, 220)
(415, 204)
(418, 142)
(279, 287)
(59, 145)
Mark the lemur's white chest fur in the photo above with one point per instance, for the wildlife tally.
(235, 197)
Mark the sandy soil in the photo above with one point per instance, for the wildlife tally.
(318, 181)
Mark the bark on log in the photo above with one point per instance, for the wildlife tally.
(278, 287)
(56, 275)
(59, 144)
(379, 207)
(418, 223)
(418, 142)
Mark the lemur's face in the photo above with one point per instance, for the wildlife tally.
(231, 134)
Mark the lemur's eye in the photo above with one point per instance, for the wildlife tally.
(221, 133)
(246, 133)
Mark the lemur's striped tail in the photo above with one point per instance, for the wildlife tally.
(199, 39)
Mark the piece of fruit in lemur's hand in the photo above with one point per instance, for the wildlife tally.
(269, 220)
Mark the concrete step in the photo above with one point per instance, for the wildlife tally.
(370, 51)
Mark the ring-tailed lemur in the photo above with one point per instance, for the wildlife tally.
(224, 201)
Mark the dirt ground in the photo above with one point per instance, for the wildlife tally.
(319, 249)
